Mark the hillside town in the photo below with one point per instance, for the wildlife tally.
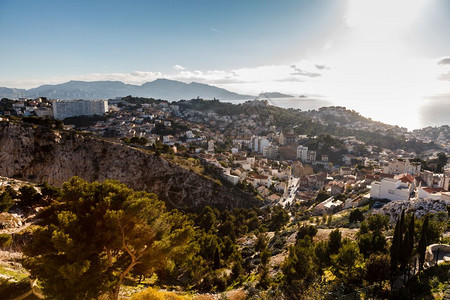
(260, 156)
(326, 172)
(225, 150)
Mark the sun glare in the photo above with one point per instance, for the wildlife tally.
(382, 15)
(374, 68)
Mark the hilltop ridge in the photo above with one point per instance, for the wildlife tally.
(159, 89)
(40, 154)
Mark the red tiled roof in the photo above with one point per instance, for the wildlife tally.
(406, 178)
(433, 190)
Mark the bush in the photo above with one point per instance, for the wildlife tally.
(427, 282)
(29, 196)
(5, 240)
(306, 230)
(12, 289)
(356, 215)
(6, 201)
(276, 244)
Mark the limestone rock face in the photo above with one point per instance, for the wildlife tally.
(38, 154)
(420, 207)
(9, 221)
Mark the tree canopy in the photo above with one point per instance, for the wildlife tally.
(96, 233)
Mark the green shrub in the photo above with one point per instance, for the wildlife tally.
(12, 289)
(5, 240)
(6, 201)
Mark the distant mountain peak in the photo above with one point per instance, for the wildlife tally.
(160, 88)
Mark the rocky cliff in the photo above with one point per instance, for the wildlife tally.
(39, 154)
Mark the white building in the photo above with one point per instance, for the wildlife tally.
(436, 180)
(328, 206)
(168, 140)
(400, 166)
(190, 134)
(270, 152)
(311, 156)
(246, 163)
(74, 108)
(429, 193)
(306, 155)
(43, 112)
(210, 146)
(392, 189)
(259, 143)
(302, 153)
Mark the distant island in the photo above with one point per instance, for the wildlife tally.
(275, 95)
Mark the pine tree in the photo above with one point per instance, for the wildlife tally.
(97, 233)
(237, 268)
(334, 241)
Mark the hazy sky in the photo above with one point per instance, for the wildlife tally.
(339, 49)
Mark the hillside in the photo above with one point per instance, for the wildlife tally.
(158, 89)
(274, 95)
(39, 154)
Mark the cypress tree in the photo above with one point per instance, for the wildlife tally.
(404, 251)
(216, 259)
(407, 244)
(402, 224)
(422, 247)
(411, 235)
(394, 247)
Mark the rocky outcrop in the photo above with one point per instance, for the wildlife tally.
(420, 207)
(9, 221)
(39, 154)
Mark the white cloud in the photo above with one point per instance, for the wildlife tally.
(179, 68)
(298, 71)
(349, 81)
(216, 30)
(267, 78)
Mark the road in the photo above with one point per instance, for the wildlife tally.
(289, 196)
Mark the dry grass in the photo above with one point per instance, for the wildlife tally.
(322, 234)
(153, 294)
(236, 295)
(204, 297)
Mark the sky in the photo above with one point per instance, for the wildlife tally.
(354, 52)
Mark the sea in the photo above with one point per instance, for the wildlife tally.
(432, 111)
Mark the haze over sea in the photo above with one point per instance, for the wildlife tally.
(431, 112)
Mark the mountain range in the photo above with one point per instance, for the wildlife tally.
(159, 89)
